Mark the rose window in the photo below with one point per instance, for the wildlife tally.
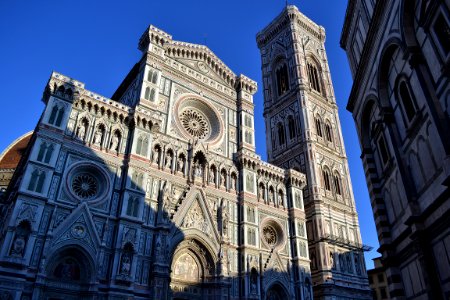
(85, 186)
(194, 123)
(270, 235)
(88, 182)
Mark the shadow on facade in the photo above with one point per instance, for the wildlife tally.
(87, 218)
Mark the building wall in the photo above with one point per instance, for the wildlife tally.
(399, 102)
(304, 133)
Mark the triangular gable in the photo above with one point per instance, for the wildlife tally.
(201, 59)
(194, 214)
(78, 227)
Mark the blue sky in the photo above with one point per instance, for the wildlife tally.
(96, 42)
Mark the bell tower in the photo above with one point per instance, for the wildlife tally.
(304, 133)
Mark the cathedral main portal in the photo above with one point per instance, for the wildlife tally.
(192, 274)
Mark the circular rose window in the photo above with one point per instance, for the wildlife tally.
(87, 182)
(272, 234)
(198, 119)
(85, 186)
(195, 123)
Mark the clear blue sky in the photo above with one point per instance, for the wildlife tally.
(96, 42)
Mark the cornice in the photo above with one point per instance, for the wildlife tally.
(365, 62)
(289, 14)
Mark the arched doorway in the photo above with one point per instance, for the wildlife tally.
(193, 272)
(276, 292)
(69, 275)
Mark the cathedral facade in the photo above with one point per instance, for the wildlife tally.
(157, 192)
(399, 54)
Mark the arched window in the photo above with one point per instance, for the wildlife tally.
(326, 180)
(60, 117)
(33, 180)
(337, 184)
(441, 29)
(152, 95)
(42, 149)
(40, 182)
(282, 79)
(406, 100)
(328, 133)
(291, 125)
(53, 114)
(382, 149)
(147, 93)
(133, 206)
(139, 145)
(49, 153)
(281, 137)
(314, 77)
(319, 127)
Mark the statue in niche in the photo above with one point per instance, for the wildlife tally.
(331, 260)
(115, 142)
(233, 183)
(197, 170)
(98, 137)
(81, 132)
(166, 198)
(168, 162)
(225, 218)
(18, 247)
(224, 179)
(155, 156)
(125, 264)
(253, 283)
(212, 175)
(180, 164)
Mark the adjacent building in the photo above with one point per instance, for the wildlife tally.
(399, 54)
(378, 281)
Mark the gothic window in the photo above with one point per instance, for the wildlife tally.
(319, 127)
(42, 149)
(249, 183)
(406, 100)
(281, 136)
(133, 206)
(164, 86)
(251, 236)
(49, 153)
(328, 133)
(302, 249)
(326, 180)
(147, 93)
(37, 180)
(291, 125)
(282, 79)
(152, 95)
(56, 115)
(60, 117)
(382, 148)
(337, 184)
(248, 137)
(142, 146)
(137, 180)
(248, 121)
(251, 214)
(152, 76)
(314, 77)
(441, 29)
(298, 200)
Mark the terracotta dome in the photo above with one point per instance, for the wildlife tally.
(10, 158)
